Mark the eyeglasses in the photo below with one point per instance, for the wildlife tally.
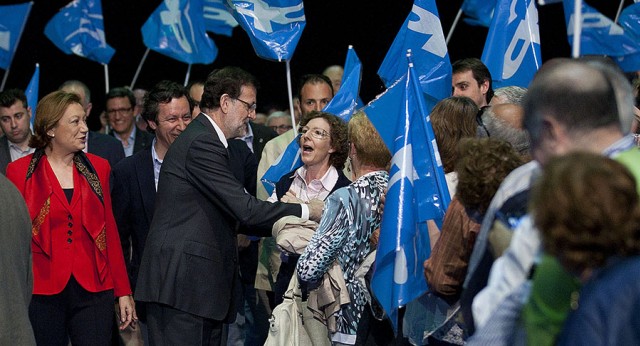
(281, 127)
(479, 120)
(119, 110)
(315, 132)
(251, 107)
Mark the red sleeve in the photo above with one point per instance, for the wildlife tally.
(114, 250)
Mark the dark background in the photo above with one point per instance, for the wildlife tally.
(369, 25)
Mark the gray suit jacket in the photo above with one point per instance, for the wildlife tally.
(15, 267)
(190, 261)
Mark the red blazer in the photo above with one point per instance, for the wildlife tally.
(72, 248)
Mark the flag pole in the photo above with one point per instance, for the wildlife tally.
(4, 78)
(135, 77)
(106, 78)
(453, 26)
(293, 115)
(619, 11)
(577, 28)
(186, 78)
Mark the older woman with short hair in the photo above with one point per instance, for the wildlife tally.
(350, 217)
(78, 264)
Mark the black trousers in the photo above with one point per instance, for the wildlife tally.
(169, 326)
(83, 317)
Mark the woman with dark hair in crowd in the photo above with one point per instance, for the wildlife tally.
(323, 140)
(78, 264)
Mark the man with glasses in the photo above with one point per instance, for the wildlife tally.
(99, 144)
(189, 271)
(119, 108)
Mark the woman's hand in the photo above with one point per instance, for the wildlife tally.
(128, 315)
(291, 197)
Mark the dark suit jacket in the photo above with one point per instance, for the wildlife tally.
(105, 146)
(133, 196)
(190, 260)
(143, 140)
(15, 271)
(261, 135)
(5, 155)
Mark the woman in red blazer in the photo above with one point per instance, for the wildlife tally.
(78, 264)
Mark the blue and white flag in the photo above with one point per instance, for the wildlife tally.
(32, 93)
(274, 26)
(344, 103)
(601, 36)
(630, 20)
(480, 12)
(417, 192)
(79, 29)
(422, 33)
(512, 49)
(176, 29)
(217, 18)
(288, 161)
(12, 21)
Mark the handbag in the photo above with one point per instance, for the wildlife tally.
(286, 325)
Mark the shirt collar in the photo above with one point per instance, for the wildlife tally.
(623, 144)
(328, 180)
(223, 139)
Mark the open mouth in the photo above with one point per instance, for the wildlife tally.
(307, 149)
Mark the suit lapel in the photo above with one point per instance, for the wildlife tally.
(146, 182)
(5, 155)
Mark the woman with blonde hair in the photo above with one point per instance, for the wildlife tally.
(78, 266)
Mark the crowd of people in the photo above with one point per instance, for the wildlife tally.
(162, 212)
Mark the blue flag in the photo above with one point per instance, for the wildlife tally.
(274, 26)
(344, 103)
(32, 93)
(601, 36)
(79, 29)
(217, 18)
(512, 49)
(630, 20)
(417, 192)
(12, 21)
(480, 12)
(176, 29)
(422, 33)
(286, 162)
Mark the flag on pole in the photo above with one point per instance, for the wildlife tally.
(601, 36)
(12, 21)
(79, 29)
(417, 192)
(32, 93)
(480, 12)
(422, 33)
(217, 18)
(289, 160)
(344, 103)
(512, 50)
(274, 27)
(176, 29)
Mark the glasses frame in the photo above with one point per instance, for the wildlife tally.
(315, 132)
(251, 107)
(119, 110)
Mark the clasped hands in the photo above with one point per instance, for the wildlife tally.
(315, 205)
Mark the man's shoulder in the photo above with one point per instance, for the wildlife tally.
(128, 164)
(262, 131)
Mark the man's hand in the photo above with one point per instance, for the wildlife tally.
(315, 209)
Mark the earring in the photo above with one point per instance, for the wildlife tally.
(51, 134)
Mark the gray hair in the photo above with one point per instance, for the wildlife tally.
(512, 94)
(502, 130)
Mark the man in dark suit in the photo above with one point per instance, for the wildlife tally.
(15, 116)
(99, 144)
(119, 109)
(167, 111)
(189, 270)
